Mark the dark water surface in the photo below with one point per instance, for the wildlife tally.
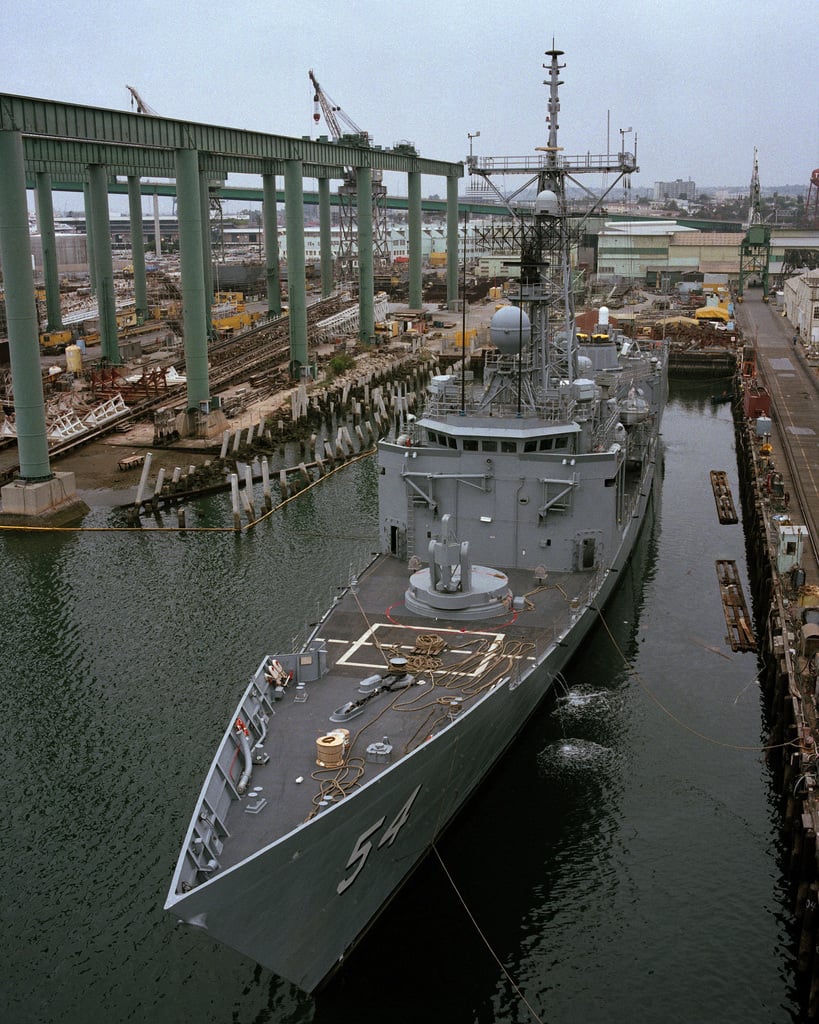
(622, 862)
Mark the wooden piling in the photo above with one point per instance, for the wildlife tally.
(249, 493)
(234, 496)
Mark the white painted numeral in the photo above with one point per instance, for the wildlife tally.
(389, 836)
(361, 851)
(363, 845)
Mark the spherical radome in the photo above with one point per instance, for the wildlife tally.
(510, 329)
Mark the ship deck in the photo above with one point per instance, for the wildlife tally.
(367, 626)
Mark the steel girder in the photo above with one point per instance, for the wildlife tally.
(241, 150)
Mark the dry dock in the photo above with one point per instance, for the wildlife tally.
(777, 425)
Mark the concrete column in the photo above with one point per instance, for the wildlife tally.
(157, 232)
(103, 261)
(89, 239)
(51, 276)
(271, 245)
(21, 312)
(137, 248)
(364, 201)
(452, 243)
(207, 250)
(326, 237)
(188, 209)
(414, 236)
(296, 288)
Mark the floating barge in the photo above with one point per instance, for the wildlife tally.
(740, 634)
(722, 496)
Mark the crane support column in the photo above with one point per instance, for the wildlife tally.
(296, 287)
(271, 245)
(325, 238)
(37, 492)
(51, 273)
(89, 239)
(452, 243)
(188, 207)
(103, 261)
(137, 249)
(207, 251)
(414, 235)
(364, 201)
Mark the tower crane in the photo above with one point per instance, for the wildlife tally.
(812, 201)
(755, 248)
(342, 126)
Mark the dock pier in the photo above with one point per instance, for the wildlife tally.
(777, 427)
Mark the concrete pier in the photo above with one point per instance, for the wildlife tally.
(780, 498)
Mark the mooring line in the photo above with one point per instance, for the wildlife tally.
(670, 714)
(486, 942)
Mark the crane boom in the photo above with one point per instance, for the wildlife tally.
(348, 190)
(141, 105)
(333, 114)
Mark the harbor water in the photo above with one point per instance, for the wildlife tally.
(621, 864)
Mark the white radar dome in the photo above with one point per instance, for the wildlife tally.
(604, 315)
(510, 329)
(546, 202)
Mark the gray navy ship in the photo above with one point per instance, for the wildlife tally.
(508, 509)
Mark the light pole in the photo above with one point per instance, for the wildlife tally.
(471, 136)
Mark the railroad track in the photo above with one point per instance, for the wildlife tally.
(264, 347)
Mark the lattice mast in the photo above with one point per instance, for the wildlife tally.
(544, 234)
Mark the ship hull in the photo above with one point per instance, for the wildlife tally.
(299, 905)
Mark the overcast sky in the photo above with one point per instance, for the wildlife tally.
(700, 82)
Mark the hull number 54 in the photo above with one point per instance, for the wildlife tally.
(364, 843)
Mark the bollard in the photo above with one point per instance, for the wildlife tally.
(283, 483)
(180, 518)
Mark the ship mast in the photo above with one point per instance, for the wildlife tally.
(544, 236)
